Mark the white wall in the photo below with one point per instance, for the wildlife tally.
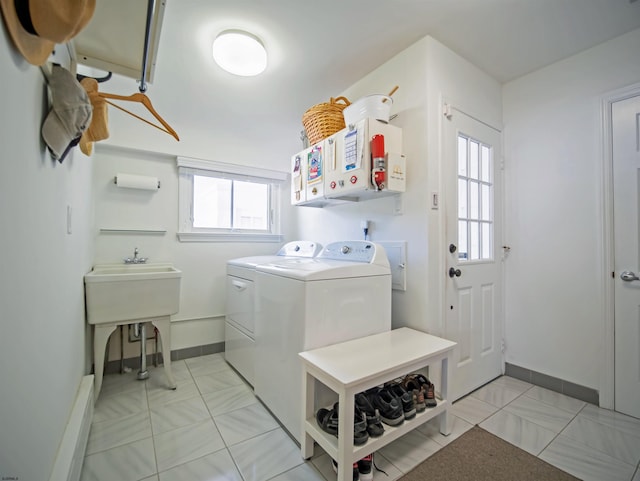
(426, 72)
(408, 70)
(135, 147)
(553, 148)
(200, 320)
(453, 80)
(42, 323)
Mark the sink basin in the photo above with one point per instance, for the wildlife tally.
(127, 292)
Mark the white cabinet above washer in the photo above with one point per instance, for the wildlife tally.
(361, 162)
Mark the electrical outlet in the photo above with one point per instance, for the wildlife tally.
(398, 206)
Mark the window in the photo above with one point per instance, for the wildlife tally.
(475, 200)
(222, 202)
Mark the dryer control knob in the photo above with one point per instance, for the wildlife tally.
(345, 249)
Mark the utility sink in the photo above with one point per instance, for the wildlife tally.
(127, 292)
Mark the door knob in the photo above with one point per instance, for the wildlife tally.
(453, 272)
(452, 248)
(629, 276)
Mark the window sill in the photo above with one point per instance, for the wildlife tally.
(209, 237)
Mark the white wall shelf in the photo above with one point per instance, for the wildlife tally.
(134, 231)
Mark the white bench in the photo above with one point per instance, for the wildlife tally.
(355, 366)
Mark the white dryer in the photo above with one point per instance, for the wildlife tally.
(342, 294)
(239, 320)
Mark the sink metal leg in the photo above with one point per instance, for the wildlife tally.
(143, 373)
(121, 349)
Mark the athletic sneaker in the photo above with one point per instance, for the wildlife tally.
(406, 399)
(417, 392)
(328, 421)
(360, 433)
(374, 423)
(388, 405)
(356, 472)
(430, 395)
(423, 385)
(364, 468)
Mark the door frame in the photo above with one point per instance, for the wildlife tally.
(607, 377)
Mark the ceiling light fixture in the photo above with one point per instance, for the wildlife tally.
(240, 53)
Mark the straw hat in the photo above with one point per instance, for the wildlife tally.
(36, 26)
(99, 127)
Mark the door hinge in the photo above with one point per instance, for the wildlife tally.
(503, 346)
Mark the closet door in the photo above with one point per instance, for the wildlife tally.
(626, 220)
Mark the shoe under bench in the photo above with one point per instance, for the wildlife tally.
(355, 366)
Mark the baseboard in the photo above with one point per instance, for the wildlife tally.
(68, 463)
(113, 367)
(576, 391)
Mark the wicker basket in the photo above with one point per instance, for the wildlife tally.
(325, 119)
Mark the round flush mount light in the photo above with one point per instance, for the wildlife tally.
(240, 53)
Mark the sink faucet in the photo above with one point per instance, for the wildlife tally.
(135, 259)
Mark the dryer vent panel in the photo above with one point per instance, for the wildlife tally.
(397, 254)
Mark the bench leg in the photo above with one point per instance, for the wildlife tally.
(308, 411)
(445, 427)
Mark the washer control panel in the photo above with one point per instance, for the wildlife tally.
(300, 249)
(355, 251)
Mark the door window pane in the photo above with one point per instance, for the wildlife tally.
(474, 241)
(474, 159)
(462, 156)
(486, 202)
(475, 199)
(462, 199)
(463, 252)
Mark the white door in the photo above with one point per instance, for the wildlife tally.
(626, 220)
(473, 292)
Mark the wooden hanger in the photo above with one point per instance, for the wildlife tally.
(144, 100)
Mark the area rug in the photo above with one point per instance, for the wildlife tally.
(478, 455)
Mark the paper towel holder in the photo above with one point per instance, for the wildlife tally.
(115, 181)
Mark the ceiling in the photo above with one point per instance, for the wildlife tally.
(318, 49)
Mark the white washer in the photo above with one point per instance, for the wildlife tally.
(239, 320)
(344, 293)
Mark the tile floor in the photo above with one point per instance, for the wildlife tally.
(213, 428)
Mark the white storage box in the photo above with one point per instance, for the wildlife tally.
(371, 106)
